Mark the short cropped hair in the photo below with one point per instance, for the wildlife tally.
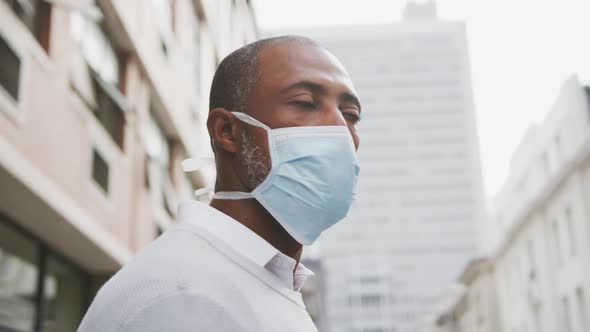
(238, 72)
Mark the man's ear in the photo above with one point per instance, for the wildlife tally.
(223, 130)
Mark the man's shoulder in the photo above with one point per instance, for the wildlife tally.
(176, 262)
(176, 258)
(173, 309)
(188, 310)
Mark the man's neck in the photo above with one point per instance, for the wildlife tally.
(252, 215)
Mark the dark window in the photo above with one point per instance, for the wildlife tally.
(123, 60)
(9, 69)
(108, 110)
(587, 90)
(164, 47)
(146, 172)
(159, 230)
(165, 204)
(371, 299)
(100, 171)
(41, 292)
(36, 16)
(107, 71)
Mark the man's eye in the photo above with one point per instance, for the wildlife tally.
(305, 104)
(354, 117)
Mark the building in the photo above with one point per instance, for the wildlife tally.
(415, 224)
(313, 293)
(441, 317)
(543, 265)
(478, 309)
(100, 100)
(539, 275)
(473, 306)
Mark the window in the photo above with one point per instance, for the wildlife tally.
(557, 141)
(567, 319)
(156, 143)
(573, 246)
(587, 91)
(582, 309)
(164, 14)
(557, 242)
(100, 171)
(10, 66)
(368, 280)
(36, 16)
(159, 229)
(157, 148)
(370, 299)
(531, 259)
(18, 280)
(146, 172)
(34, 278)
(537, 318)
(63, 296)
(106, 73)
(108, 112)
(196, 30)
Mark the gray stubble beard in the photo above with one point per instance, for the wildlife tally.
(256, 162)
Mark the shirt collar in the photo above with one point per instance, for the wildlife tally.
(243, 240)
(237, 236)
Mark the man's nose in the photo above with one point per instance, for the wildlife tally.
(333, 116)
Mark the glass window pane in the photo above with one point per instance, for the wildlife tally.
(96, 48)
(100, 171)
(18, 280)
(63, 298)
(109, 113)
(9, 69)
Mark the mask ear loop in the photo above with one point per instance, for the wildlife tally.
(250, 120)
(232, 195)
(204, 191)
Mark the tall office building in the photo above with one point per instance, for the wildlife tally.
(415, 225)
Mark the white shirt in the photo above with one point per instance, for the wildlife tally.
(246, 242)
(209, 273)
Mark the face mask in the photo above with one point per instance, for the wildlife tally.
(313, 179)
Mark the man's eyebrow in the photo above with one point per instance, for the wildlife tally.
(308, 85)
(318, 88)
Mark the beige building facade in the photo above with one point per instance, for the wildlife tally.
(539, 277)
(100, 101)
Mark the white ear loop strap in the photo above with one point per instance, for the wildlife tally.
(203, 191)
(233, 195)
(250, 120)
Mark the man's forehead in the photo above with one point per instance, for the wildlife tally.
(287, 61)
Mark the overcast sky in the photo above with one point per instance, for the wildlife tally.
(521, 51)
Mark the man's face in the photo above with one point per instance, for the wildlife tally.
(299, 85)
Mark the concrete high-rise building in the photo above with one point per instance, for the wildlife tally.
(420, 199)
(100, 100)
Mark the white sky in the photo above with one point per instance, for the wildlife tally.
(521, 51)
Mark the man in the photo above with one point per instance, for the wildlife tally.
(282, 122)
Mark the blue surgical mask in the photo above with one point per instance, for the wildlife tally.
(313, 179)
